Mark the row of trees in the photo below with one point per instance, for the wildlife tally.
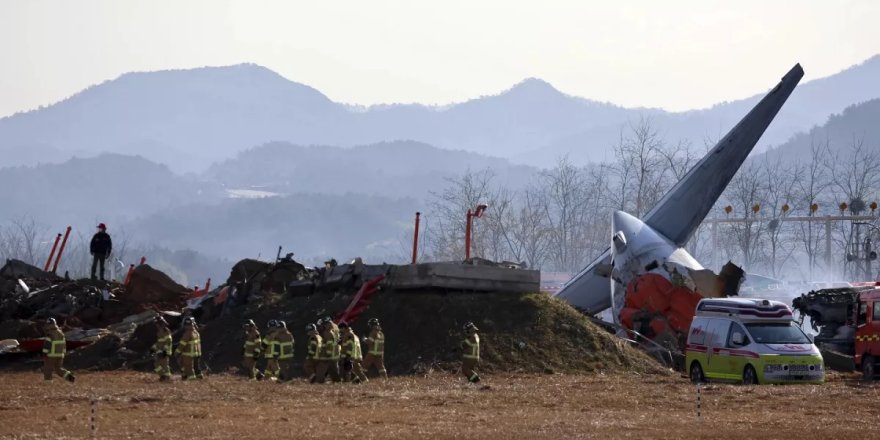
(561, 220)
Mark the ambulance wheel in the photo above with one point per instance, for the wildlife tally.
(750, 376)
(697, 373)
(869, 369)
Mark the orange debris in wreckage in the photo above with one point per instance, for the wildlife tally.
(654, 306)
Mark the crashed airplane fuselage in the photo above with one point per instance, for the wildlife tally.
(646, 269)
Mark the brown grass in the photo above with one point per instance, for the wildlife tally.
(133, 405)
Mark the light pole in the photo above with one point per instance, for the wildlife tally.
(869, 253)
(478, 213)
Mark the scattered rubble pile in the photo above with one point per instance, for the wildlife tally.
(88, 311)
(526, 332)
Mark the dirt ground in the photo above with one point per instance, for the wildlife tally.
(133, 405)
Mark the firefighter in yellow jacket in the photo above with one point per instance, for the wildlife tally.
(269, 352)
(189, 348)
(314, 351)
(374, 343)
(328, 356)
(197, 362)
(351, 355)
(162, 350)
(252, 349)
(54, 348)
(284, 352)
(470, 347)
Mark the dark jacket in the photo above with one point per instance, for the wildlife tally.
(101, 244)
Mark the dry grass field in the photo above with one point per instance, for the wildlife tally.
(133, 405)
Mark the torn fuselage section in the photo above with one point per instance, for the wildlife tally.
(656, 285)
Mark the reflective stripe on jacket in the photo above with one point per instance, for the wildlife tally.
(54, 347)
(471, 347)
(314, 347)
(284, 345)
(377, 344)
(351, 347)
(189, 346)
(328, 350)
(253, 346)
(163, 341)
(269, 347)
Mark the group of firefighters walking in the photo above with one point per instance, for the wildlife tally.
(334, 351)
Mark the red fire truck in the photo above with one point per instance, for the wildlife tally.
(848, 322)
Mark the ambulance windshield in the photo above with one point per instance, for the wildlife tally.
(777, 333)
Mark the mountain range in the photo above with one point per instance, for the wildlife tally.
(189, 119)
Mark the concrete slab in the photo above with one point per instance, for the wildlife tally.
(463, 277)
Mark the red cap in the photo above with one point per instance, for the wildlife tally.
(102, 226)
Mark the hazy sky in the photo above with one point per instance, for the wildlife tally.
(672, 54)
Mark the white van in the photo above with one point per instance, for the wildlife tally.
(752, 341)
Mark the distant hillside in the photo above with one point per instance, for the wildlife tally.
(314, 226)
(392, 169)
(810, 104)
(859, 122)
(110, 187)
(188, 119)
(182, 118)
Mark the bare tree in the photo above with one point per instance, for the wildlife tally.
(812, 180)
(23, 239)
(448, 209)
(779, 189)
(746, 191)
(639, 165)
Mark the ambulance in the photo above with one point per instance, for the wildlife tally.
(753, 341)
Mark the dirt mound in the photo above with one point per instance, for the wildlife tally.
(519, 332)
(150, 286)
(20, 269)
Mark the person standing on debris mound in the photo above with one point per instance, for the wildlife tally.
(188, 348)
(313, 353)
(54, 347)
(269, 352)
(284, 354)
(328, 356)
(375, 343)
(351, 355)
(100, 247)
(251, 350)
(162, 350)
(470, 347)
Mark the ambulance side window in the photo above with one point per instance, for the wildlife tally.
(718, 332)
(876, 312)
(698, 332)
(736, 328)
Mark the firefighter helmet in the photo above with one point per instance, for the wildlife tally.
(373, 322)
(51, 322)
(249, 324)
(470, 326)
(280, 324)
(311, 328)
(189, 320)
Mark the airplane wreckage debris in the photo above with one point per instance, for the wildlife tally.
(646, 277)
(111, 326)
